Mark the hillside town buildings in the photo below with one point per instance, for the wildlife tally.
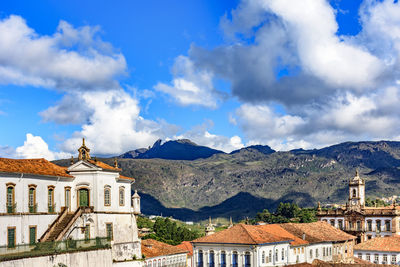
(273, 245)
(363, 222)
(43, 202)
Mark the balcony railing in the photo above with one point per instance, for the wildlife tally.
(12, 208)
(52, 208)
(51, 248)
(33, 209)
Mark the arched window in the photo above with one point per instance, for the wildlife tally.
(276, 255)
(354, 193)
(121, 196)
(50, 199)
(211, 261)
(32, 198)
(247, 259)
(10, 193)
(283, 254)
(263, 257)
(235, 259)
(107, 195)
(311, 254)
(269, 256)
(200, 259)
(223, 259)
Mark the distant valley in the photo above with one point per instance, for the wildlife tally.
(191, 182)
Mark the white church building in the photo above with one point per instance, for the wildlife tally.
(41, 201)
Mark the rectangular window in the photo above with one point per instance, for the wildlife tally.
(384, 259)
(11, 237)
(200, 259)
(32, 235)
(368, 257)
(340, 224)
(109, 230)
(387, 226)
(376, 259)
(394, 259)
(87, 232)
(50, 199)
(369, 225)
(67, 197)
(378, 226)
(10, 199)
(359, 255)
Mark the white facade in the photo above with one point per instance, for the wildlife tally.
(38, 200)
(378, 257)
(276, 254)
(176, 260)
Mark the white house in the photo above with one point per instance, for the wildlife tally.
(380, 250)
(272, 245)
(45, 202)
(159, 254)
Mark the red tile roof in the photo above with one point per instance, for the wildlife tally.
(316, 232)
(243, 234)
(33, 166)
(186, 245)
(277, 230)
(103, 165)
(152, 248)
(389, 243)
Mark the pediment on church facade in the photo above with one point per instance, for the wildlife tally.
(83, 166)
(354, 213)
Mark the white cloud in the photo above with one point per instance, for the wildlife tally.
(190, 86)
(313, 27)
(114, 125)
(70, 59)
(201, 135)
(36, 147)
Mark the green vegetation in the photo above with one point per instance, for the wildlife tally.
(375, 203)
(287, 212)
(168, 231)
(236, 185)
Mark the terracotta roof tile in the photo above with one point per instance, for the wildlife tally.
(316, 232)
(390, 243)
(186, 245)
(103, 165)
(152, 248)
(279, 231)
(32, 166)
(242, 234)
(126, 177)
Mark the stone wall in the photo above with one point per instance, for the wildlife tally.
(96, 258)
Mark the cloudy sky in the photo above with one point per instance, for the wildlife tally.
(225, 74)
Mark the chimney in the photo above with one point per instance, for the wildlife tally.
(304, 236)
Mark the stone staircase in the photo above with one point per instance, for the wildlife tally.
(62, 223)
(60, 227)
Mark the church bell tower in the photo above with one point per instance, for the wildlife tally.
(356, 192)
(84, 151)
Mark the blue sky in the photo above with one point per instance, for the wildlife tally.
(225, 74)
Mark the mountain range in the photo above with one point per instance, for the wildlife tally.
(190, 185)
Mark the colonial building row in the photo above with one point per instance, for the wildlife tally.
(363, 222)
(273, 245)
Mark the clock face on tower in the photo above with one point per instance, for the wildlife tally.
(354, 202)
